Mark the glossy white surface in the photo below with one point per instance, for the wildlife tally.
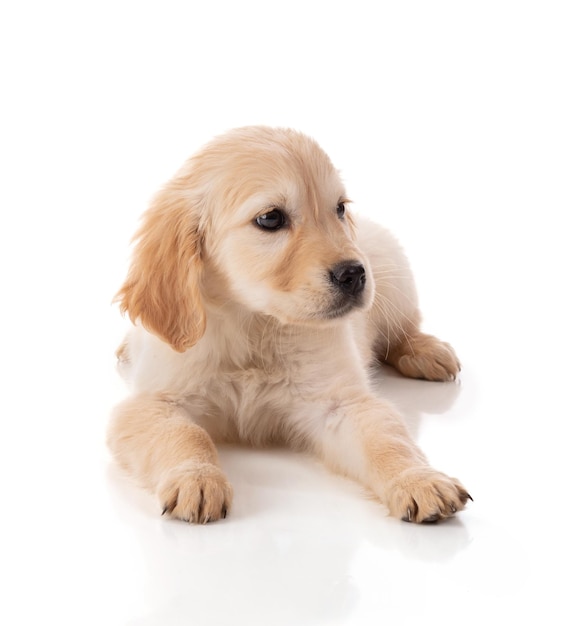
(455, 125)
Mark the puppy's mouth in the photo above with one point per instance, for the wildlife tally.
(344, 305)
(341, 310)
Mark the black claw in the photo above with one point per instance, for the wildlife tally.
(201, 507)
(465, 496)
(169, 507)
(415, 510)
(224, 511)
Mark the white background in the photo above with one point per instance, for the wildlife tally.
(457, 125)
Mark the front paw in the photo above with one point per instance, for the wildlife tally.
(425, 495)
(195, 492)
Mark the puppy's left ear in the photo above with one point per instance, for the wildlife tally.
(162, 289)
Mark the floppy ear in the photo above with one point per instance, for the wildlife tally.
(162, 288)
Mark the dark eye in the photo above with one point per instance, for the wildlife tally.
(273, 220)
(341, 210)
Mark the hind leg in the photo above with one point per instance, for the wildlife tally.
(394, 319)
(419, 355)
(400, 342)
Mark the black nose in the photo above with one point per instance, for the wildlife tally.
(349, 276)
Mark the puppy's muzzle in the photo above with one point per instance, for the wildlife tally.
(349, 277)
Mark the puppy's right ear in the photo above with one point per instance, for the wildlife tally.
(162, 289)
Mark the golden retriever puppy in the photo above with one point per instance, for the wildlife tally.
(259, 303)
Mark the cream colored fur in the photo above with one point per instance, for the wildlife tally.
(241, 334)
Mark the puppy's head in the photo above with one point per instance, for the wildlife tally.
(259, 217)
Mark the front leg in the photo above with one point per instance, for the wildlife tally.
(159, 444)
(368, 441)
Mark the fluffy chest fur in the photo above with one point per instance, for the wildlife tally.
(255, 380)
